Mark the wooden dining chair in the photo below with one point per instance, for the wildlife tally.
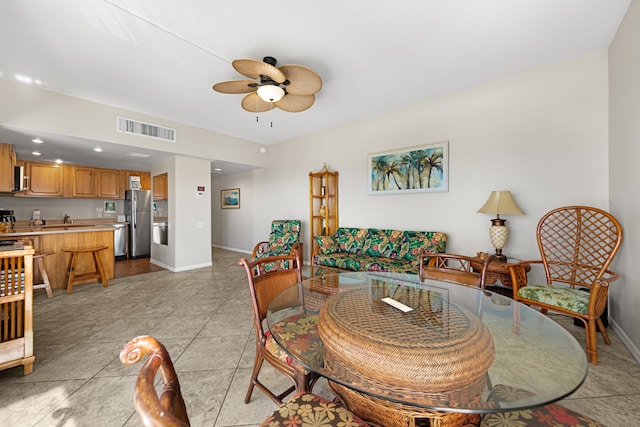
(267, 277)
(169, 409)
(577, 245)
(453, 268)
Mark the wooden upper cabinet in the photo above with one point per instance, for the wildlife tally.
(44, 179)
(7, 162)
(160, 190)
(108, 183)
(80, 182)
(145, 180)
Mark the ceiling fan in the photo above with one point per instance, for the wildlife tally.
(291, 88)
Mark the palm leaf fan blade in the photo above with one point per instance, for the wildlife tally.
(254, 69)
(235, 86)
(254, 104)
(303, 80)
(295, 103)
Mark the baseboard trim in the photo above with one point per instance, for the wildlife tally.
(635, 352)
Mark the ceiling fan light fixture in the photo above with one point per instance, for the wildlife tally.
(270, 93)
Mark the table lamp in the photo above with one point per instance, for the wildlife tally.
(500, 202)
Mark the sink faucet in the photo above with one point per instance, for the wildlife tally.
(67, 219)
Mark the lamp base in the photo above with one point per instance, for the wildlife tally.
(499, 257)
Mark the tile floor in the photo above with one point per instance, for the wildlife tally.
(204, 319)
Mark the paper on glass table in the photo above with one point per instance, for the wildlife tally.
(396, 304)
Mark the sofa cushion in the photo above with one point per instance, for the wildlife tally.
(351, 262)
(351, 240)
(327, 244)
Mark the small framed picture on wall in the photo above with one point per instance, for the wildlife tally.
(230, 199)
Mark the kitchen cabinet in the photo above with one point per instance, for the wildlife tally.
(43, 180)
(160, 190)
(145, 180)
(323, 199)
(7, 162)
(80, 182)
(108, 183)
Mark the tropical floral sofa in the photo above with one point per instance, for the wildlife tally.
(372, 249)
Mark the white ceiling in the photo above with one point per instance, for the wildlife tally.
(161, 57)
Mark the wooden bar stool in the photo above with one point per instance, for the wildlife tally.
(39, 262)
(96, 274)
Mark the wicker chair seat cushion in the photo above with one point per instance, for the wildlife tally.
(311, 410)
(301, 334)
(568, 298)
(552, 415)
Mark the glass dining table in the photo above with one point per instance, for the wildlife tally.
(390, 342)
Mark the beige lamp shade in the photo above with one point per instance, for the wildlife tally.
(500, 202)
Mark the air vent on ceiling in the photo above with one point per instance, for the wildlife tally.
(136, 127)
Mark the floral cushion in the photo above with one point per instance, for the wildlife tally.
(570, 299)
(306, 409)
(351, 240)
(327, 244)
(551, 415)
(284, 234)
(371, 249)
(301, 334)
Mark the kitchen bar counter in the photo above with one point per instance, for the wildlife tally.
(66, 236)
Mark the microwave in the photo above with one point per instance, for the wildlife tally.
(18, 178)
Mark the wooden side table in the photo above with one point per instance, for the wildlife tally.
(498, 271)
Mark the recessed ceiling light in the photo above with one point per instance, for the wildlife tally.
(37, 140)
(143, 156)
(98, 150)
(23, 79)
(36, 153)
(59, 161)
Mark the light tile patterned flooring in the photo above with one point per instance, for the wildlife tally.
(204, 319)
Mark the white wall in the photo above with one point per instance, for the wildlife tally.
(624, 99)
(542, 135)
(189, 214)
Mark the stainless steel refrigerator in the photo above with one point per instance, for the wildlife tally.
(137, 208)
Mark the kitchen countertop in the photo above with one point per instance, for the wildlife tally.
(22, 231)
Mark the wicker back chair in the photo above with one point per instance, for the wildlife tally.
(577, 244)
(283, 239)
(168, 409)
(452, 268)
(267, 277)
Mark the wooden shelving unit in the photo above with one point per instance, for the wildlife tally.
(323, 199)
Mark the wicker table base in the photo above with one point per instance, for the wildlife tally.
(384, 413)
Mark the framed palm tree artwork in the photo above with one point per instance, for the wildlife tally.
(410, 170)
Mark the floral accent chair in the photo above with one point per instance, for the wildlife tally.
(577, 245)
(372, 249)
(551, 415)
(284, 237)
